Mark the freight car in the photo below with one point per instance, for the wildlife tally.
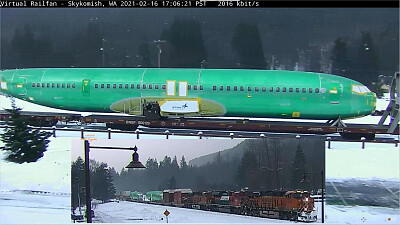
(154, 196)
(289, 205)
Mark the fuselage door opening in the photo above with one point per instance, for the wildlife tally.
(171, 87)
(183, 85)
(86, 87)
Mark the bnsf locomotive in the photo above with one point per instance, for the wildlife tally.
(290, 205)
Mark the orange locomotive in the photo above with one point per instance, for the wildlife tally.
(290, 205)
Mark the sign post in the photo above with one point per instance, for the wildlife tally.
(166, 213)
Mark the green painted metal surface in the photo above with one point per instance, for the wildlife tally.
(218, 92)
(136, 195)
(154, 196)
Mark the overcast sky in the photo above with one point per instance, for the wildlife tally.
(151, 148)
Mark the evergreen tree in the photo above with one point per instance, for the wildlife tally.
(185, 36)
(22, 143)
(78, 193)
(172, 183)
(367, 67)
(103, 187)
(183, 164)
(247, 43)
(23, 48)
(298, 168)
(166, 163)
(248, 171)
(151, 164)
(174, 164)
(339, 57)
(144, 54)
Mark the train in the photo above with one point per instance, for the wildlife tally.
(178, 92)
(294, 205)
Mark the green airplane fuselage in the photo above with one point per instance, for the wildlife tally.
(217, 92)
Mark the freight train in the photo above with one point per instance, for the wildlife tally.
(289, 205)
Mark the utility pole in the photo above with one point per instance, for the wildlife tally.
(159, 50)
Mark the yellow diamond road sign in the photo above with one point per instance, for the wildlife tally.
(166, 213)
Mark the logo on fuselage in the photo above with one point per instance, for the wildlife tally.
(180, 107)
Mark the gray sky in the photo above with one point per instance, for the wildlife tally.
(151, 148)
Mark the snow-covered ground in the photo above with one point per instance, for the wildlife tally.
(37, 192)
(356, 175)
(361, 215)
(348, 160)
(131, 212)
(26, 207)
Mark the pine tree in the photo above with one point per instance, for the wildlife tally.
(22, 143)
(339, 57)
(248, 170)
(103, 186)
(298, 168)
(78, 193)
(174, 164)
(183, 164)
(144, 54)
(172, 183)
(368, 62)
(247, 43)
(185, 36)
